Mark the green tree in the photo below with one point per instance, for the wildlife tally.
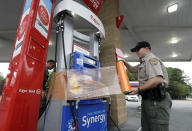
(2, 81)
(178, 86)
(132, 76)
(178, 83)
(175, 74)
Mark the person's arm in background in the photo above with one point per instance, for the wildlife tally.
(46, 76)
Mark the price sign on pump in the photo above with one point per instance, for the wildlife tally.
(43, 17)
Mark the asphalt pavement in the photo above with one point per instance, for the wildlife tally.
(180, 119)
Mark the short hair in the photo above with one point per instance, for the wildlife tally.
(51, 61)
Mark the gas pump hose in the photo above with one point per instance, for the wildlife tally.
(110, 115)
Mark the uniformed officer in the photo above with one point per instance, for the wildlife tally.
(152, 77)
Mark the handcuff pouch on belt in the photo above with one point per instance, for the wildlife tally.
(157, 93)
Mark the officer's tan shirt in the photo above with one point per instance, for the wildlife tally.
(149, 67)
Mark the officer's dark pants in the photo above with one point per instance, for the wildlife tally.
(155, 114)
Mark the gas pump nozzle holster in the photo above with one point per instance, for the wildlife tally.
(157, 93)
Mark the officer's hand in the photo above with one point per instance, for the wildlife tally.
(133, 91)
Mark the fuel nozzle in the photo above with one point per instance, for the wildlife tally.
(98, 36)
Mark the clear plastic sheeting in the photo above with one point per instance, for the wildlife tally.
(84, 84)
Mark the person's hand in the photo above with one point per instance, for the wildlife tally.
(133, 91)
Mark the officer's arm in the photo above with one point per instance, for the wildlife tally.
(129, 67)
(152, 82)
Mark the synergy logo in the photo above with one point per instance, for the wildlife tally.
(87, 121)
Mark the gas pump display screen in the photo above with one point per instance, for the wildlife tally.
(90, 61)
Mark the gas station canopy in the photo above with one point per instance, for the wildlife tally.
(169, 33)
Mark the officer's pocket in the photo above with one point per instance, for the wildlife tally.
(169, 99)
(152, 113)
(142, 72)
(159, 114)
(163, 113)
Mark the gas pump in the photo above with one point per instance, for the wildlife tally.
(22, 91)
(21, 94)
(79, 114)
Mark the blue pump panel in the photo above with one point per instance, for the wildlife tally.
(82, 61)
(92, 113)
(92, 116)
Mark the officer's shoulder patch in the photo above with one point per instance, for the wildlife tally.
(153, 61)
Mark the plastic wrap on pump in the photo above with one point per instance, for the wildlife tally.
(84, 84)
